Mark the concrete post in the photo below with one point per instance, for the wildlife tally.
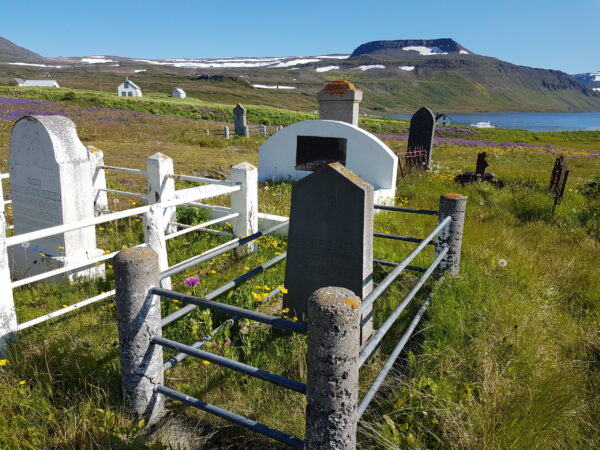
(1, 196)
(154, 237)
(98, 180)
(245, 202)
(263, 130)
(239, 119)
(8, 316)
(161, 187)
(138, 320)
(226, 132)
(332, 362)
(339, 100)
(453, 205)
(246, 131)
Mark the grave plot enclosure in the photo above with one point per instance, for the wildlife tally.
(302, 148)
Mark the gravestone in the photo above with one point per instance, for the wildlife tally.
(51, 184)
(339, 100)
(420, 138)
(481, 164)
(330, 239)
(298, 150)
(239, 120)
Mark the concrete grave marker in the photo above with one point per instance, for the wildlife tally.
(330, 239)
(420, 136)
(299, 149)
(239, 120)
(339, 100)
(51, 184)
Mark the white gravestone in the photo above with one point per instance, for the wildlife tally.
(304, 147)
(51, 184)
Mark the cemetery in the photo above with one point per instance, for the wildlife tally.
(253, 253)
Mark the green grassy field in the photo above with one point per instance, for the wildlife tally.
(507, 357)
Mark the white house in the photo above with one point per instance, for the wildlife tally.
(178, 93)
(129, 89)
(442, 119)
(37, 83)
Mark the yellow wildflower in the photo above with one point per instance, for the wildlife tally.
(3, 362)
(22, 382)
(285, 310)
(282, 289)
(206, 363)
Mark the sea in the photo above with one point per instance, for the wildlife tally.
(588, 121)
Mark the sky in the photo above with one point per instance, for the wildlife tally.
(550, 34)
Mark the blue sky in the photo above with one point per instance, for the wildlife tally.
(552, 34)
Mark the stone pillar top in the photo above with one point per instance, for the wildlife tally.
(340, 90)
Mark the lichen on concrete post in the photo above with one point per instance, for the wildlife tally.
(8, 317)
(138, 320)
(332, 384)
(245, 202)
(453, 205)
(98, 181)
(161, 186)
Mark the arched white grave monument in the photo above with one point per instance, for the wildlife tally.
(51, 184)
(304, 147)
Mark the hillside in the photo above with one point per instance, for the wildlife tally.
(441, 74)
(11, 52)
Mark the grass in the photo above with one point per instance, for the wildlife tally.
(507, 357)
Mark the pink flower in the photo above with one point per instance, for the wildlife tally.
(228, 342)
(191, 281)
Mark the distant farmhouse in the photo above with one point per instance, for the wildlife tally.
(442, 119)
(129, 89)
(37, 83)
(178, 93)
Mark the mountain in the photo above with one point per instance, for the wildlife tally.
(590, 79)
(12, 52)
(395, 76)
(407, 47)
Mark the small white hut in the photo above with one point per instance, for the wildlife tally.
(178, 93)
(129, 89)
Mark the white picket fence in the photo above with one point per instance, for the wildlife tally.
(160, 225)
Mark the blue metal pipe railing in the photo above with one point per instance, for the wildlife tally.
(231, 417)
(274, 321)
(184, 265)
(221, 289)
(389, 279)
(385, 327)
(231, 364)
(394, 264)
(229, 322)
(366, 400)
(402, 238)
(428, 212)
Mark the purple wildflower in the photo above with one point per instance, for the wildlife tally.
(191, 281)
(228, 342)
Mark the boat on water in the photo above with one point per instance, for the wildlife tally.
(483, 125)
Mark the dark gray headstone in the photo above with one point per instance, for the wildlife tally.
(239, 120)
(420, 136)
(481, 164)
(330, 240)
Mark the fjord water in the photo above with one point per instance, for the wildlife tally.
(587, 121)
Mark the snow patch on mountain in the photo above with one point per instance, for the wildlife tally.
(371, 66)
(33, 65)
(96, 60)
(407, 68)
(270, 86)
(327, 68)
(425, 51)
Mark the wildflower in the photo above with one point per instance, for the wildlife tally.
(206, 363)
(3, 362)
(188, 293)
(285, 310)
(282, 289)
(61, 247)
(98, 263)
(109, 266)
(246, 268)
(106, 252)
(22, 382)
(502, 263)
(228, 342)
(101, 228)
(65, 306)
(191, 281)
(134, 203)
(294, 319)
(213, 271)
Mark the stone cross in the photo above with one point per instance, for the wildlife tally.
(330, 240)
(239, 120)
(51, 183)
(420, 136)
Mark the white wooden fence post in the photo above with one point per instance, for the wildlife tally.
(154, 237)
(245, 202)
(8, 316)
(161, 186)
(98, 180)
(1, 195)
(226, 132)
